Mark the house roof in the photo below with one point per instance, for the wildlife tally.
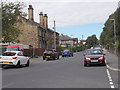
(36, 24)
(65, 37)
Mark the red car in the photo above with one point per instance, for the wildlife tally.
(94, 56)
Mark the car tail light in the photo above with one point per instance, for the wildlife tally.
(0, 57)
(14, 58)
(53, 53)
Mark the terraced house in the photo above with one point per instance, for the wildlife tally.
(36, 35)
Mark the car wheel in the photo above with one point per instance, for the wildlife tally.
(85, 64)
(43, 58)
(104, 64)
(28, 63)
(54, 58)
(3, 66)
(18, 64)
(58, 57)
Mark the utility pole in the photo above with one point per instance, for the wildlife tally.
(82, 37)
(54, 35)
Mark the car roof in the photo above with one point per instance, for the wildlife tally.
(12, 46)
(14, 51)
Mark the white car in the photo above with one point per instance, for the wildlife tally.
(15, 58)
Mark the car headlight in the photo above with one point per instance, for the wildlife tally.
(101, 58)
(87, 58)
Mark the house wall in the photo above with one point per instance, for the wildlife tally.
(29, 33)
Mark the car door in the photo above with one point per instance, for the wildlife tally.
(22, 58)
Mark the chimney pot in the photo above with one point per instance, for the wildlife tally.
(41, 13)
(30, 6)
(45, 15)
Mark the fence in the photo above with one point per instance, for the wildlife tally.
(34, 51)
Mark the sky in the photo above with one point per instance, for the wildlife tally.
(74, 17)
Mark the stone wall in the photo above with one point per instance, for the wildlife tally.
(29, 32)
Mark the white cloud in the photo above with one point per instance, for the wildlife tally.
(66, 0)
(73, 12)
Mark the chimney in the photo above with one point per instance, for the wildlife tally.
(30, 13)
(45, 21)
(41, 19)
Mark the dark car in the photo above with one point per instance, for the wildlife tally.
(50, 54)
(94, 56)
(67, 53)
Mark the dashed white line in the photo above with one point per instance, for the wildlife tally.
(110, 79)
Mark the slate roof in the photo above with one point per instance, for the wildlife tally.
(36, 24)
(65, 37)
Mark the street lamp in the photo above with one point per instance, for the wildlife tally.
(54, 35)
(114, 33)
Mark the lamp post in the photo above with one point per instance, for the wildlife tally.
(114, 34)
(54, 35)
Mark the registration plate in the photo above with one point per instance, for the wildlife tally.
(94, 60)
(47, 56)
(6, 62)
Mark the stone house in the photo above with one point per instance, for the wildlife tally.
(36, 34)
(66, 41)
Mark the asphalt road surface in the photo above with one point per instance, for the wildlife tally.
(67, 72)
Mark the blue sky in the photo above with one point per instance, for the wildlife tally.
(83, 29)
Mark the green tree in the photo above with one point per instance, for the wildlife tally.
(10, 11)
(92, 41)
(107, 38)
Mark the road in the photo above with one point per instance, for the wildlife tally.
(67, 72)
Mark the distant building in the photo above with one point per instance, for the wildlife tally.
(36, 35)
(66, 41)
(83, 41)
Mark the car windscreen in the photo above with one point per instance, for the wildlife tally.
(8, 54)
(96, 51)
(13, 49)
(48, 51)
(66, 51)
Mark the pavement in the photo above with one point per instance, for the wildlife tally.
(112, 61)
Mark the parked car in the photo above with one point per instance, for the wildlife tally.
(94, 56)
(14, 58)
(50, 54)
(67, 53)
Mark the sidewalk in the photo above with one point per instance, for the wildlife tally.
(112, 61)
(36, 60)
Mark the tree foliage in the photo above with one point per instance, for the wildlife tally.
(10, 11)
(107, 37)
(92, 41)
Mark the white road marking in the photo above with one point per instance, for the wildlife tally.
(110, 79)
(111, 82)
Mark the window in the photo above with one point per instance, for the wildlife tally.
(20, 54)
(9, 54)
